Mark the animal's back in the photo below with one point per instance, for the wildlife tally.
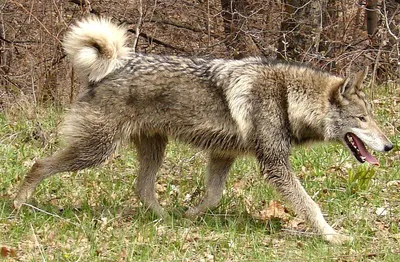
(168, 96)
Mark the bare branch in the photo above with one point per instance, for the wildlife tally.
(138, 24)
(37, 20)
(151, 39)
(86, 5)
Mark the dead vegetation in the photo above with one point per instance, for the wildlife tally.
(337, 36)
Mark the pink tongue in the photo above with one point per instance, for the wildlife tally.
(363, 151)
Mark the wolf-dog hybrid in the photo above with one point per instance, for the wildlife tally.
(226, 107)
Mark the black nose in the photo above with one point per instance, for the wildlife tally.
(388, 147)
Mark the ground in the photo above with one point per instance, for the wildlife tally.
(93, 215)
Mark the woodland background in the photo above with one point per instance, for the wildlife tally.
(93, 215)
(337, 36)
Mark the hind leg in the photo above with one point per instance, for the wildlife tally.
(91, 149)
(217, 172)
(150, 151)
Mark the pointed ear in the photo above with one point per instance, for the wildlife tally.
(346, 86)
(359, 78)
(354, 82)
(335, 93)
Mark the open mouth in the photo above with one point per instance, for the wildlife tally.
(358, 149)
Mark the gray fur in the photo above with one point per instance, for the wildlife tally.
(226, 107)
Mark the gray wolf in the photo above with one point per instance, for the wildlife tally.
(227, 107)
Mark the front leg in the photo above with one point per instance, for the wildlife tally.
(276, 170)
(271, 138)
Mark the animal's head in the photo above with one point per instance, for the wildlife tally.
(351, 120)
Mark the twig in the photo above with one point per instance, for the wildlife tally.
(38, 244)
(138, 25)
(385, 15)
(85, 4)
(156, 41)
(51, 214)
(37, 20)
(177, 24)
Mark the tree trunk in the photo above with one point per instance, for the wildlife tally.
(301, 29)
(372, 16)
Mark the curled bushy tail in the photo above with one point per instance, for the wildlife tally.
(96, 47)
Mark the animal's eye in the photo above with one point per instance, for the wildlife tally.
(362, 118)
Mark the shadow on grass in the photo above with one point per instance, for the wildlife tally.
(240, 222)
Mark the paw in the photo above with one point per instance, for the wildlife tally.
(192, 213)
(338, 239)
(159, 212)
(17, 204)
(22, 197)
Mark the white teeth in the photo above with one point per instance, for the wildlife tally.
(350, 138)
(363, 158)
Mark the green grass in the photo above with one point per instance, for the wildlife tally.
(93, 215)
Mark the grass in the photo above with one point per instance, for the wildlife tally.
(93, 215)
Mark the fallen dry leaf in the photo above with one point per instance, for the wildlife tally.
(248, 202)
(394, 183)
(29, 163)
(295, 223)
(381, 211)
(396, 236)
(239, 186)
(274, 209)
(8, 252)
